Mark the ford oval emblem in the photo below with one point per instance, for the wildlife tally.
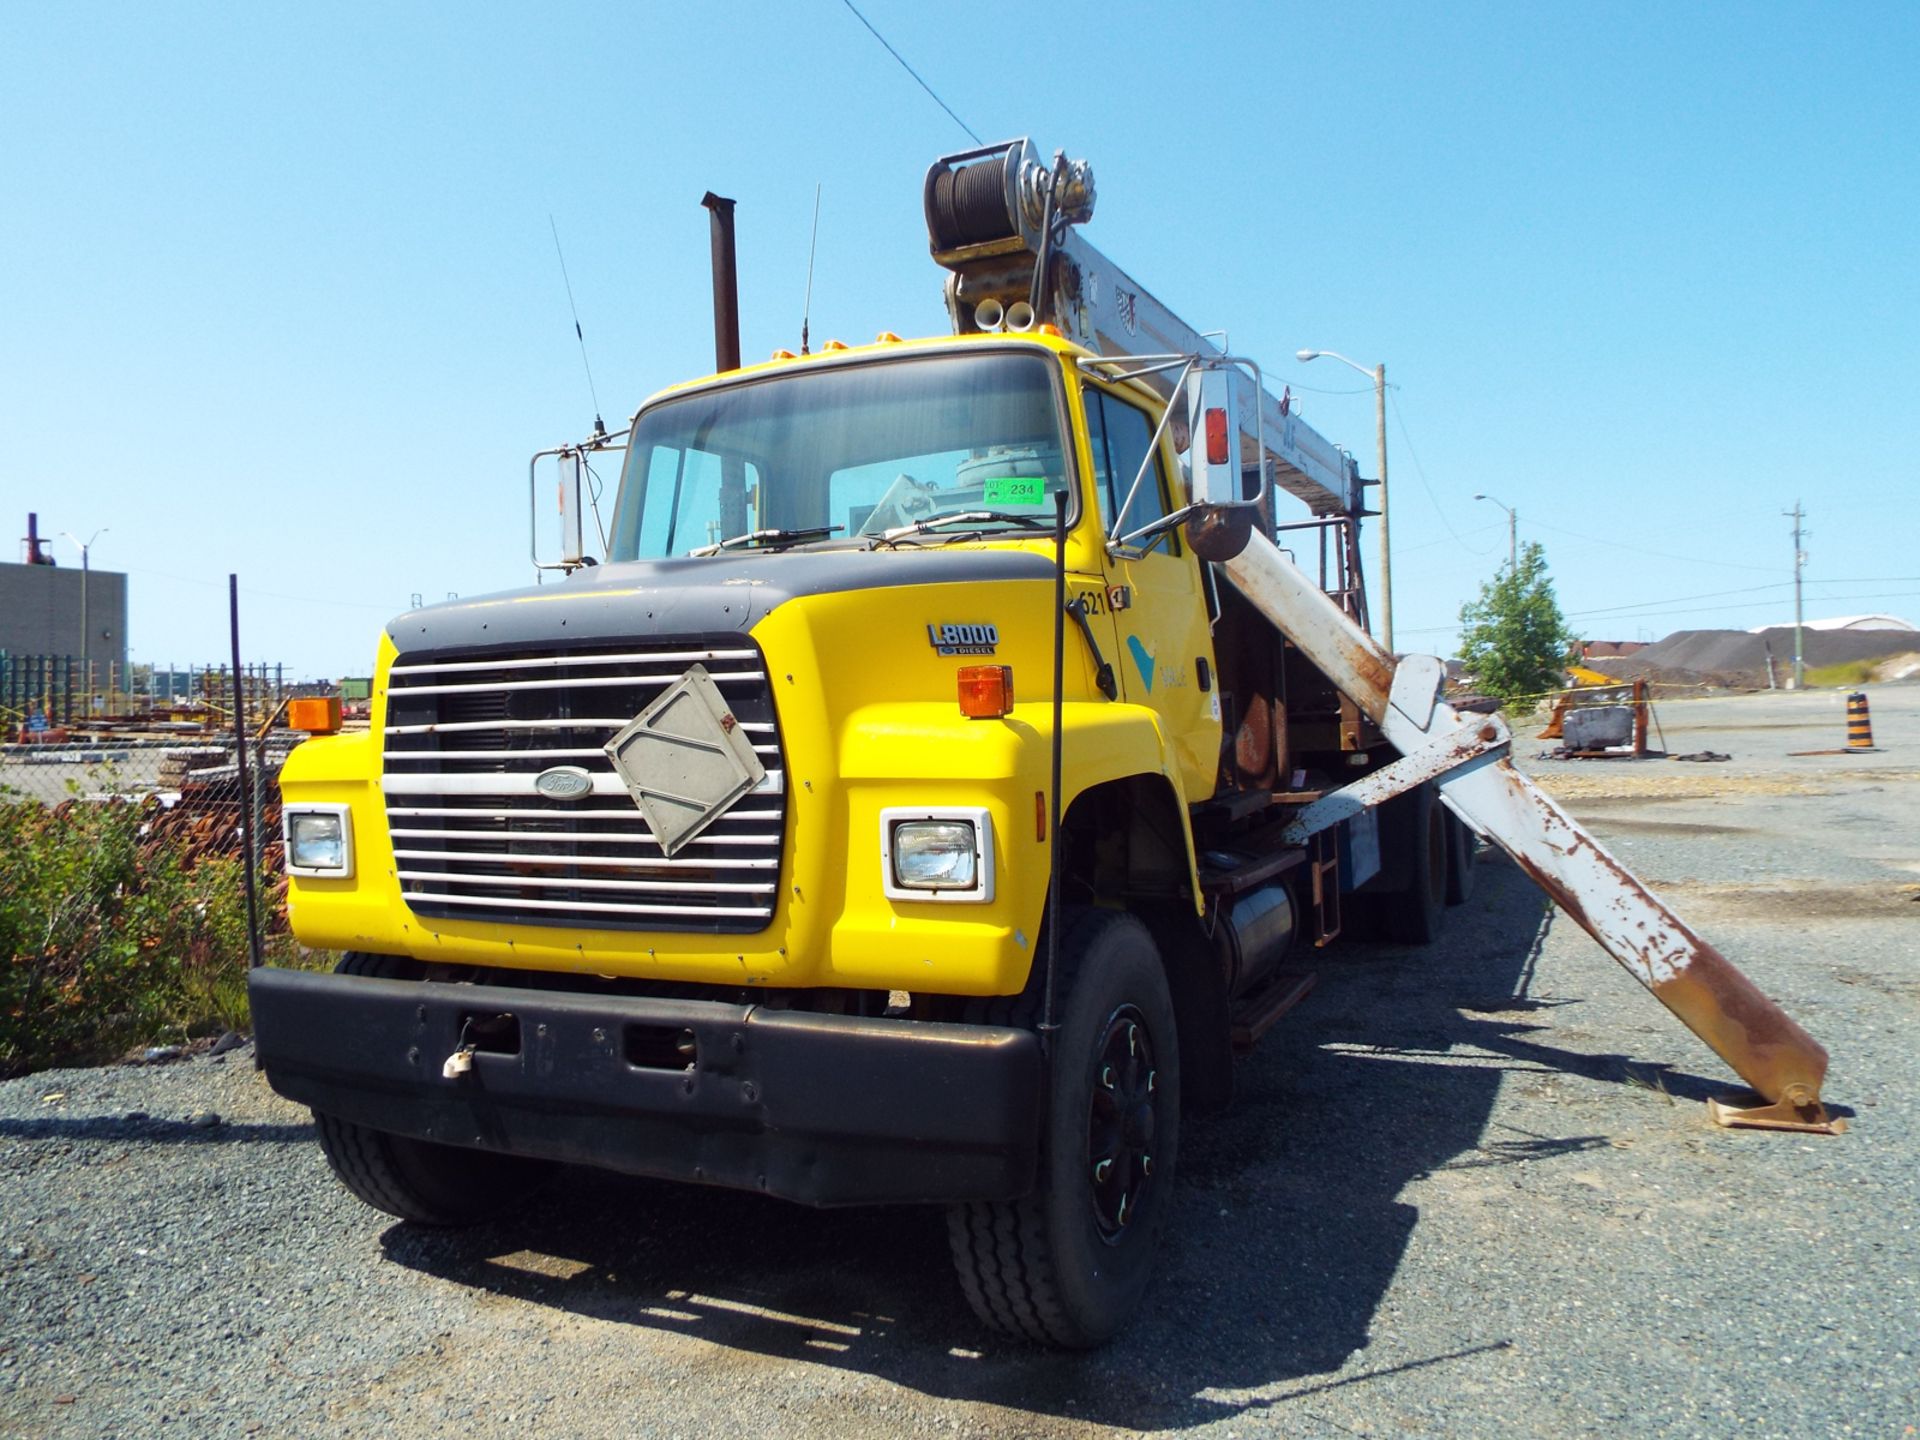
(564, 782)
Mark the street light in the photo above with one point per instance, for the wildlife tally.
(1513, 544)
(85, 547)
(1378, 374)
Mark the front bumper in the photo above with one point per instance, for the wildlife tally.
(822, 1109)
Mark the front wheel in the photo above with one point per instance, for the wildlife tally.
(1068, 1264)
(427, 1183)
(418, 1180)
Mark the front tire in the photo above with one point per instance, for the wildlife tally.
(418, 1180)
(426, 1183)
(1067, 1264)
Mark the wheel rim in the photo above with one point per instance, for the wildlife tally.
(1122, 1123)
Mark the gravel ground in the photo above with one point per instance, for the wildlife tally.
(1466, 1191)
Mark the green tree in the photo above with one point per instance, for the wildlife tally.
(1513, 639)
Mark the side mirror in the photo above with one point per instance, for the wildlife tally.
(1223, 515)
(1213, 415)
(564, 470)
(1218, 533)
(573, 535)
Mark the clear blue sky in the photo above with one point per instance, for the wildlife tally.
(278, 294)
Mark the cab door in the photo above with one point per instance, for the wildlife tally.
(1159, 609)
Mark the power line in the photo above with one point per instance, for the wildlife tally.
(1429, 544)
(1592, 539)
(1681, 599)
(1323, 390)
(1421, 471)
(913, 72)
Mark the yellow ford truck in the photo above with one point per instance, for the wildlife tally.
(913, 804)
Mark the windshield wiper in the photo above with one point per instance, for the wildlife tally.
(768, 537)
(963, 517)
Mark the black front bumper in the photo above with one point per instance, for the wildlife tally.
(823, 1109)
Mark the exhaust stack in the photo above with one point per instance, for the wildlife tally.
(726, 284)
(36, 548)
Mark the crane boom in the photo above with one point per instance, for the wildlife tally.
(1002, 223)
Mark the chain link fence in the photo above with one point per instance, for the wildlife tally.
(123, 870)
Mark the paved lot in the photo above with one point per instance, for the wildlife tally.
(1467, 1191)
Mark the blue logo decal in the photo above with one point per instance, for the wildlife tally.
(1141, 659)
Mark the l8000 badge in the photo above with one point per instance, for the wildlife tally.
(963, 639)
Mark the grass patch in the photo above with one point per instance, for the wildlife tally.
(112, 939)
(1848, 673)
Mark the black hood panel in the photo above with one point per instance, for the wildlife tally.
(687, 596)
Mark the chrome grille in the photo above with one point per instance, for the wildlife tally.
(468, 733)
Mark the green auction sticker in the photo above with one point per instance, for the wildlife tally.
(1015, 490)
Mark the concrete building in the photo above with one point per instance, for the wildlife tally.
(40, 614)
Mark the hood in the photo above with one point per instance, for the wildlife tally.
(706, 596)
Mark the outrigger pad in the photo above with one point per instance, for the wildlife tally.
(1781, 1115)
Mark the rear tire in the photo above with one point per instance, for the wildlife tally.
(419, 1180)
(1067, 1264)
(1412, 915)
(1462, 848)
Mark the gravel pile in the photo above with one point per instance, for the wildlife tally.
(1738, 658)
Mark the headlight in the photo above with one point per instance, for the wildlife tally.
(936, 854)
(319, 841)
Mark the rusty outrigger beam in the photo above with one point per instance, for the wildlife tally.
(1762, 1044)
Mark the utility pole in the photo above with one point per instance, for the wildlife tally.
(1799, 564)
(1378, 374)
(1386, 554)
(86, 638)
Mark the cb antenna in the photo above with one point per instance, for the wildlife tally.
(599, 426)
(813, 246)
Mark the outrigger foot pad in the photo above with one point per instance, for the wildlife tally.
(1810, 1118)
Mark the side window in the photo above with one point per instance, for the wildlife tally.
(1121, 436)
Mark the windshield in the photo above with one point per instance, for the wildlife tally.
(847, 451)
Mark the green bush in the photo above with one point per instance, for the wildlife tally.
(111, 939)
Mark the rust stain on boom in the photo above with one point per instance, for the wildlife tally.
(1710, 995)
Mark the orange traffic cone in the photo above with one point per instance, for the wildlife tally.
(1859, 723)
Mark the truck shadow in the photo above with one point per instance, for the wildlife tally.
(1287, 1235)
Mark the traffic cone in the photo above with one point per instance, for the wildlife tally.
(1859, 723)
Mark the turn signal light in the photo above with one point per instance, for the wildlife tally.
(315, 714)
(986, 691)
(1217, 436)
